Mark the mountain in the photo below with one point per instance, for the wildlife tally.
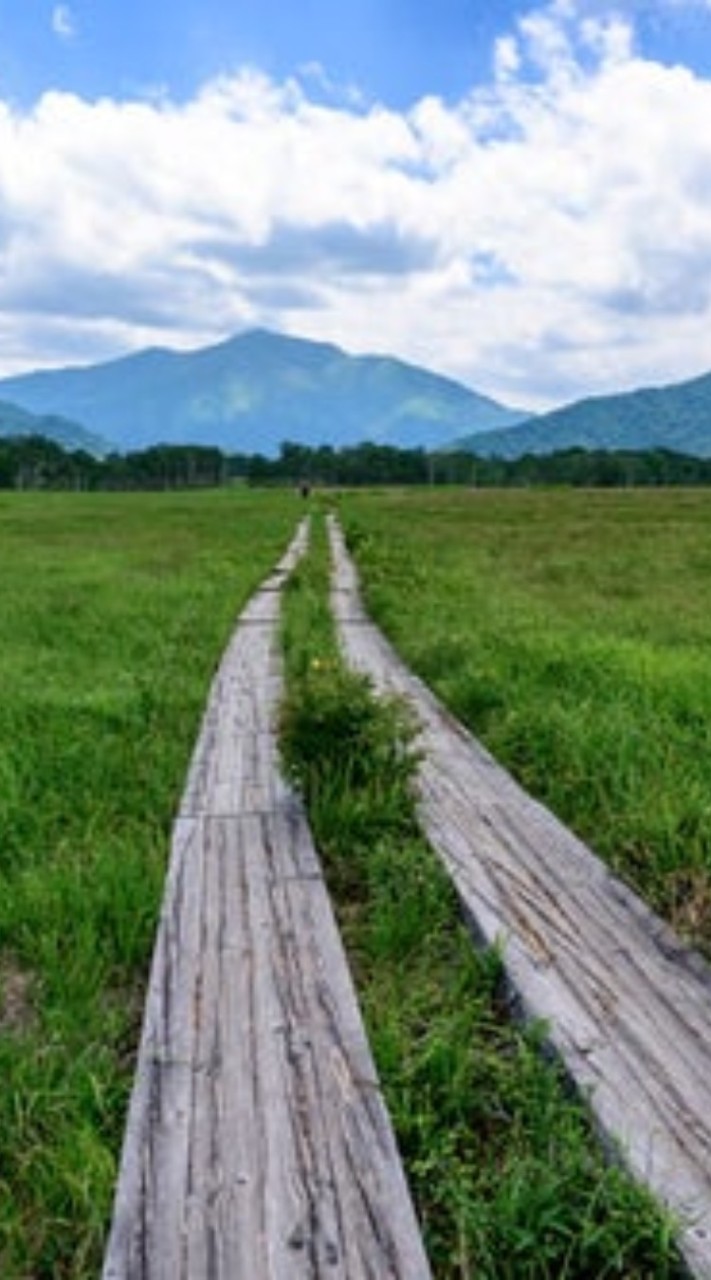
(15, 421)
(250, 393)
(676, 417)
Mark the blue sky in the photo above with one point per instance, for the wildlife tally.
(392, 50)
(395, 51)
(514, 194)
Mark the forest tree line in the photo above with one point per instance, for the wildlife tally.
(33, 462)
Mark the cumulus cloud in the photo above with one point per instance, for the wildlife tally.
(546, 237)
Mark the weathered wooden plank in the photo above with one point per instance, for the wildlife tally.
(627, 1005)
(258, 1146)
(155, 1150)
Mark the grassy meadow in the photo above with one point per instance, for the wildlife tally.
(115, 609)
(572, 632)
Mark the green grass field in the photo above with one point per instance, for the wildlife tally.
(572, 632)
(115, 610)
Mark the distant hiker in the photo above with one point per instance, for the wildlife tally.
(305, 488)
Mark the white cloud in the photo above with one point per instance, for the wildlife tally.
(63, 23)
(507, 57)
(547, 237)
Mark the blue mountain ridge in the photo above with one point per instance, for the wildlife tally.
(16, 421)
(253, 391)
(675, 417)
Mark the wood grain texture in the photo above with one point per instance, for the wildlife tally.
(628, 1007)
(258, 1146)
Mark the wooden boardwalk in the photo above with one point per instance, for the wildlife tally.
(628, 1007)
(257, 1145)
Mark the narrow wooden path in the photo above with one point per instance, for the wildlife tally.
(257, 1145)
(627, 1006)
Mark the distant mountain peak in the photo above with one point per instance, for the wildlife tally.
(256, 389)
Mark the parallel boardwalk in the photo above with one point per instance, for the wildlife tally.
(628, 1007)
(257, 1145)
